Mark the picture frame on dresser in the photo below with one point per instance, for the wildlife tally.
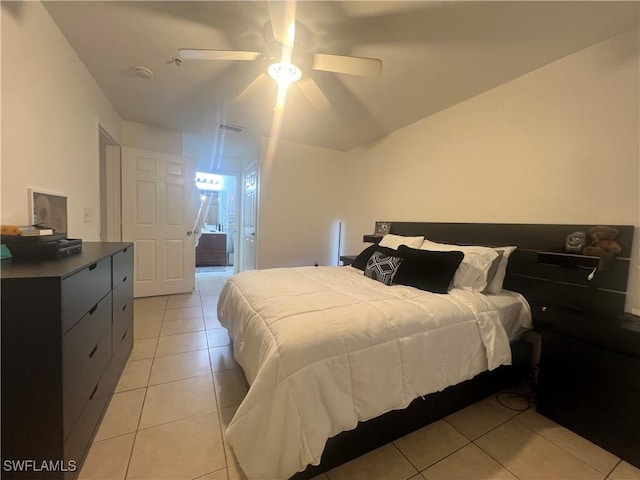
(47, 209)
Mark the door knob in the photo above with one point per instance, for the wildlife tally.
(189, 233)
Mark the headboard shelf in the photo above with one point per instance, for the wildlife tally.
(541, 237)
(570, 260)
(533, 268)
(577, 256)
(371, 238)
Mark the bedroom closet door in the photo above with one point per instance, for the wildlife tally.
(158, 216)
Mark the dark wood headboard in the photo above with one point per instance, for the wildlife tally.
(545, 279)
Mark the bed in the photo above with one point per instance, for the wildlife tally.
(324, 348)
(329, 350)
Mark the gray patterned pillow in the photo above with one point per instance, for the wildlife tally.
(382, 267)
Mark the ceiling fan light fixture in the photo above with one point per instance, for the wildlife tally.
(284, 73)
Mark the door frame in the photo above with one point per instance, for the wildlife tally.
(110, 154)
(257, 216)
(237, 245)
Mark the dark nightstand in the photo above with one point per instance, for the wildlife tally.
(347, 259)
(589, 379)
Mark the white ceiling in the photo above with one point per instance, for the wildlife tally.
(434, 54)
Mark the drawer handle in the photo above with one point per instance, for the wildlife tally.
(124, 334)
(95, 389)
(93, 267)
(95, 307)
(93, 352)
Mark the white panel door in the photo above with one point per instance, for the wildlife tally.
(249, 217)
(157, 216)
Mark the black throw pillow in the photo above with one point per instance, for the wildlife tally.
(361, 260)
(427, 270)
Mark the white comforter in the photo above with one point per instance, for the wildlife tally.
(326, 347)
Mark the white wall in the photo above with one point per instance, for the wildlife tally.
(148, 137)
(51, 109)
(302, 198)
(558, 145)
(222, 152)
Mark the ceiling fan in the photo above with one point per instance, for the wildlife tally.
(288, 64)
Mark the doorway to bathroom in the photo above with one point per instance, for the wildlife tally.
(217, 244)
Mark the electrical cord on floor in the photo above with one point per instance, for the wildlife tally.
(525, 391)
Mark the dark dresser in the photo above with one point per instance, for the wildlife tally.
(67, 332)
(212, 250)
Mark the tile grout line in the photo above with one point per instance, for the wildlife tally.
(613, 469)
(146, 391)
(217, 400)
(488, 454)
(135, 434)
(535, 433)
(440, 459)
(215, 390)
(147, 386)
(474, 443)
(406, 458)
(567, 451)
(219, 408)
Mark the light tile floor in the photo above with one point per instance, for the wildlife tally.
(182, 386)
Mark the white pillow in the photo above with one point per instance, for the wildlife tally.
(495, 284)
(473, 272)
(394, 241)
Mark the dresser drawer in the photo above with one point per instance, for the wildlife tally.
(79, 438)
(123, 266)
(82, 291)
(79, 343)
(81, 386)
(122, 312)
(78, 441)
(118, 362)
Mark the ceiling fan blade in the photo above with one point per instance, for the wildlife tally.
(247, 91)
(283, 19)
(312, 91)
(363, 67)
(206, 54)
(276, 14)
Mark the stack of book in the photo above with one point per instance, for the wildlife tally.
(35, 231)
(25, 230)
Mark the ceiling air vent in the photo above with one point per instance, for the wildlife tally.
(230, 128)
